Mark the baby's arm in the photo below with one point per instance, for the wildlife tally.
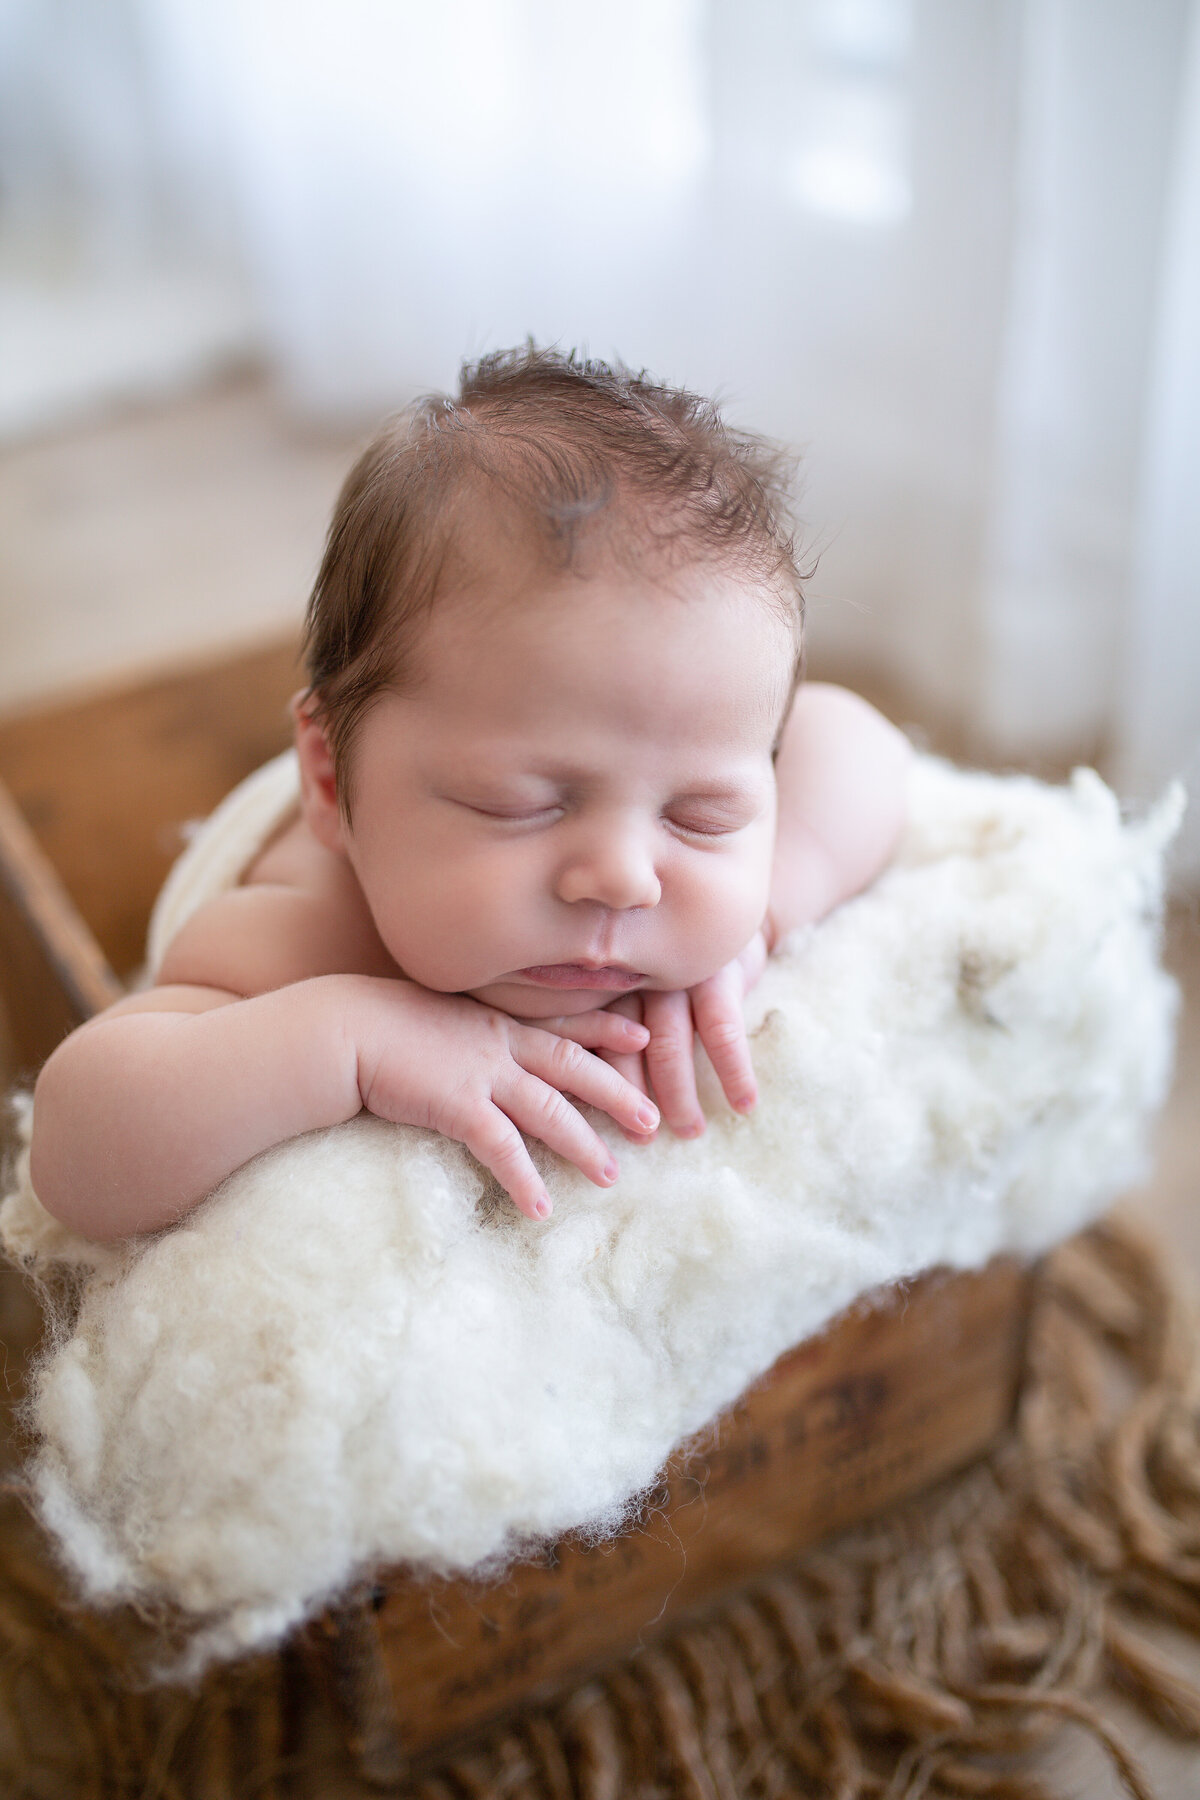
(841, 775)
(146, 1109)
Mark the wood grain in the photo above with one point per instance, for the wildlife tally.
(105, 780)
(53, 974)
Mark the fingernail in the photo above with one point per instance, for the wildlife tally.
(747, 1103)
(543, 1208)
(647, 1117)
(610, 1170)
(694, 1130)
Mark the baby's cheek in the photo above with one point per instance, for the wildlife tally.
(424, 937)
(460, 930)
(727, 905)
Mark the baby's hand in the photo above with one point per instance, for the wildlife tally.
(712, 1011)
(477, 1075)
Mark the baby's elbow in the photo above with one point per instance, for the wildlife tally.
(877, 761)
(64, 1204)
(47, 1175)
(883, 815)
(63, 1180)
(74, 1204)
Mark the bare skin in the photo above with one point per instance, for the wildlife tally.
(570, 851)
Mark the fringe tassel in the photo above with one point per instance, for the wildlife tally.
(924, 1657)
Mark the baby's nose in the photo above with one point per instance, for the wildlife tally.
(615, 869)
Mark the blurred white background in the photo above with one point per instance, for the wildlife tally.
(950, 248)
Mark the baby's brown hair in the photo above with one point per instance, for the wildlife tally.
(583, 452)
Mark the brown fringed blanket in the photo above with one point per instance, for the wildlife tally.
(930, 1654)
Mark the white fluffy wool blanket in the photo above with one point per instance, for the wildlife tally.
(354, 1354)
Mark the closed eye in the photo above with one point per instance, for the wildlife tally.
(514, 815)
(702, 825)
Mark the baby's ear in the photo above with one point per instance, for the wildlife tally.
(318, 781)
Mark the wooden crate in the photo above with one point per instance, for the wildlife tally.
(894, 1395)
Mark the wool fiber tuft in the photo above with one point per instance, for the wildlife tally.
(356, 1353)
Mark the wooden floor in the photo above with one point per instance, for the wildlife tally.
(168, 531)
(156, 533)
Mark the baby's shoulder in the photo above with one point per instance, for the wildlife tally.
(292, 858)
(297, 913)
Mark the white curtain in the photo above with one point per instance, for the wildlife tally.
(1100, 108)
(947, 249)
(803, 204)
(1156, 726)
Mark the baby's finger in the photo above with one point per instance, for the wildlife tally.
(669, 1061)
(601, 1030)
(495, 1142)
(545, 1113)
(752, 962)
(633, 1070)
(568, 1068)
(630, 1068)
(721, 1026)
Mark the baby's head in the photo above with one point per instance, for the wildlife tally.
(551, 645)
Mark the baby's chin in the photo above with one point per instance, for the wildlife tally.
(534, 1002)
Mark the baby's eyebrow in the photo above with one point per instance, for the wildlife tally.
(717, 787)
(719, 790)
(492, 775)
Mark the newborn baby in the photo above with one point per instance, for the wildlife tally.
(561, 795)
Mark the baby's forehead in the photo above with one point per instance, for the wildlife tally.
(518, 621)
(521, 644)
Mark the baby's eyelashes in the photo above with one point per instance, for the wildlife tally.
(506, 804)
(705, 828)
(515, 815)
(712, 815)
